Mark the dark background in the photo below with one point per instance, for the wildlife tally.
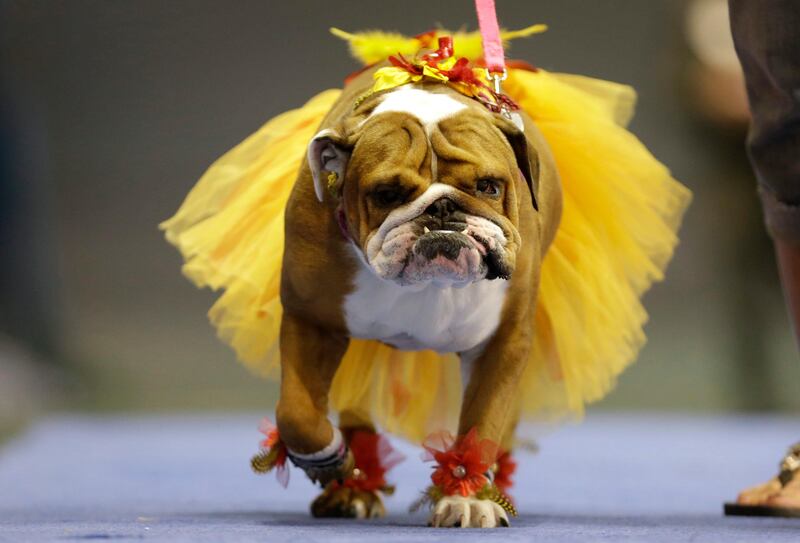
(111, 110)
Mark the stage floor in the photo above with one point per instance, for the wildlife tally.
(616, 477)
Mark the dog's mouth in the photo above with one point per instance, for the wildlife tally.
(445, 252)
(459, 244)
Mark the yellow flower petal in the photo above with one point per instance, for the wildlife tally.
(389, 78)
(447, 63)
(433, 73)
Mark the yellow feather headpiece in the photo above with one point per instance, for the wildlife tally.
(373, 46)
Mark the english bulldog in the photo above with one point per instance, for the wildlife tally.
(419, 219)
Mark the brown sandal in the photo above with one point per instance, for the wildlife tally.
(789, 466)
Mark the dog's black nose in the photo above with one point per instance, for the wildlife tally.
(442, 208)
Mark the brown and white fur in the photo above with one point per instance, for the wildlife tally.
(431, 237)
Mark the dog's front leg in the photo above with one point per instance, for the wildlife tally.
(310, 356)
(490, 408)
(489, 400)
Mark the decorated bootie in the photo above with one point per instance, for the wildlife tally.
(360, 494)
(464, 492)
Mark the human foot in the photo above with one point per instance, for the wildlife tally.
(780, 496)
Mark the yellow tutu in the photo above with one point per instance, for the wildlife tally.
(622, 210)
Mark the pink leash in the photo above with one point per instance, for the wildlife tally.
(490, 33)
(493, 52)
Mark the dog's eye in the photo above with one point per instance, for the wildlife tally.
(488, 186)
(387, 196)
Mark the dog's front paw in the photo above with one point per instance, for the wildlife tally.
(343, 502)
(460, 512)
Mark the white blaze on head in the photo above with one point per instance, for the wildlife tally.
(428, 107)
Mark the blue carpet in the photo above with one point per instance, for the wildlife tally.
(187, 478)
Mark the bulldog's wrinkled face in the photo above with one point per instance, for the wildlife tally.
(428, 187)
(440, 236)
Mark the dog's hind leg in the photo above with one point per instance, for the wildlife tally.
(505, 466)
(310, 356)
(510, 431)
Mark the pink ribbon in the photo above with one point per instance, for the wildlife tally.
(490, 33)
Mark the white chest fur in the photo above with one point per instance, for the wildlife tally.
(445, 319)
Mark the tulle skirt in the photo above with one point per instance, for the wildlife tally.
(622, 210)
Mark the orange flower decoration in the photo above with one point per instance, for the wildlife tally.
(270, 431)
(462, 463)
(373, 456)
(273, 452)
(506, 466)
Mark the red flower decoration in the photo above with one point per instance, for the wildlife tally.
(373, 456)
(461, 73)
(462, 463)
(506, 466)
(400, 61)
(444, 51)
(272, 442)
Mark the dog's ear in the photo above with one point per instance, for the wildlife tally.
(527, 161)
(328, 154)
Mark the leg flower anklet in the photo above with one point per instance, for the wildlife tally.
(466, 466)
